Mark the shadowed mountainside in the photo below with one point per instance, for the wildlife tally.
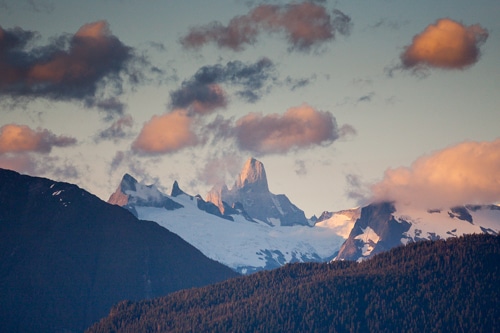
(66, 257)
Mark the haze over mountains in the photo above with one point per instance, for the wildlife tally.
(262, 230)
(67, 256)
(247, 227)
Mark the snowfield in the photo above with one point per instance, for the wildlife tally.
(243, 245)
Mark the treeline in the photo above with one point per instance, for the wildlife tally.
(440, 286)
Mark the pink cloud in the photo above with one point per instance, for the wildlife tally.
(167, 133)
(467, 173)
(445, 44)
(298, 127)
(20, 138)
(305, 25)
(66, 69)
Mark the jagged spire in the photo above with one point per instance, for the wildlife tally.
(119, 197)
(128, 183)
(253, 174)
(176, 190)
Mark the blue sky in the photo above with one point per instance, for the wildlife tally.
(343, 101)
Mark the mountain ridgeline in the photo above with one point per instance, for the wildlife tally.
(251, 190)
(265, 232)
(382, 226)
(66, 257)
(247, 228)
(429, 286)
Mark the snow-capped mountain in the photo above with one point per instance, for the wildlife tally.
(385, 225)
(248, 228)
(233, 235)
(252, 192)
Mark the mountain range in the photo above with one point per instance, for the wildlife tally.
(385, 225)
(66, 256)
(248, 228)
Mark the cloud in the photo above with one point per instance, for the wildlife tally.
(295, 84)
(357, 189)
(299, 127)
(305, 25)
(117, 160)
(166, 133)
(117, 130)
(41, 6)
(46, 166)
(300, 168)
(23, 163)
(366, 98)
(202, 93)
(219, 167)
(199, 98)
(20, 138)
(388, 23)
(445, 44)
(70, 67)
(467, 173)
(111, 106)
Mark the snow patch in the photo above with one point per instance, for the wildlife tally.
(341, 223)
(370, 239)
(277, 204)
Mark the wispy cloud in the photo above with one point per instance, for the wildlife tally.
(446, 44)
(40, 6)
(467, 173)
(300, 167)
(305, 25)
(119, 129)
(40, 165)
(357, 189)
(202, 93)
(111, 106)
(219, 166)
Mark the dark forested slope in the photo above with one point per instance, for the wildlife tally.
(66, 257)
(429, 286)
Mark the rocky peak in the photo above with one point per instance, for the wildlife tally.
(253, 176)
(131, 193)
(176, 190)
(128, 183)
(120, 196)
(215, 197)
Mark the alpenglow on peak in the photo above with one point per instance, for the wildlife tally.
(253, 174)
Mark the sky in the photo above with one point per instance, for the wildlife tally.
(344, 102)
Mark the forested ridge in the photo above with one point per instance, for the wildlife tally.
(430, 286)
